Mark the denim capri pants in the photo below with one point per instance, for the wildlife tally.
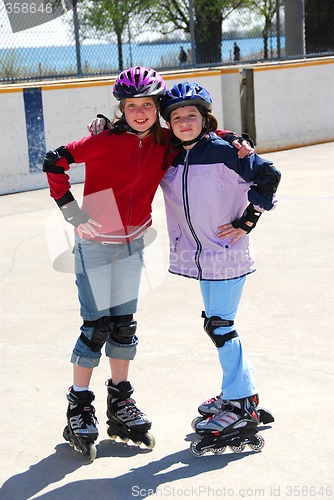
(108, 279)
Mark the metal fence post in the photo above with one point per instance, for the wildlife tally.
(248, 104)
(77, 37)
(192, 32)
(278, 29)
(294, 28)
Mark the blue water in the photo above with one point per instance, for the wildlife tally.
(104, 57)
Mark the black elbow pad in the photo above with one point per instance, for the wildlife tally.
(268, 179)
(53, 156)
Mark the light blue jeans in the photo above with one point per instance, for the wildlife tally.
(108, 279)
(222, 298)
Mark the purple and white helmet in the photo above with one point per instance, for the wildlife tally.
(139, 82)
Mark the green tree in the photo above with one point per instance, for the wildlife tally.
(267, 9)
(109, 19)
(209, 22)
(319, 26)
(173, 15)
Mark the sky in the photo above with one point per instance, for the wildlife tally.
(55, 32)
(60, 31)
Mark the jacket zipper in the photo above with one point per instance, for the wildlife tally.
(133, 187)
(187, 213)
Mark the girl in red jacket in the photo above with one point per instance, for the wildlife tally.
(123, 169)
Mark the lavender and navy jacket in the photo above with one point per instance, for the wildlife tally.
(208, 186)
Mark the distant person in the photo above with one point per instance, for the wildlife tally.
(236, 52)
(189, 56)
(182, 56)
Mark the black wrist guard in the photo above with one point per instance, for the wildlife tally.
(73, 214)
(106, 119)
(71, 211)
(250, 215)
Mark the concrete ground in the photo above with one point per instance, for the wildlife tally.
(285, 319)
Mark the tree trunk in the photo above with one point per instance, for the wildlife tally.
(266, 35)
(120, 51)
(319, 26)
(265, 46)
(208, 35)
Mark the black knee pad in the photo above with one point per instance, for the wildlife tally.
(210, 325)
(123, 329)
(100, 335)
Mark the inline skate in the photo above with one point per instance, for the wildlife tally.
(125, 420)
(214, 405)
(235, 425)
(81, 430)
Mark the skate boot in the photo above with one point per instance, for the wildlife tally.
(235, 426)
(81, 430)
(214, 405)
(125, 420)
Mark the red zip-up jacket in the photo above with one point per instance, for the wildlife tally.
(122, 174)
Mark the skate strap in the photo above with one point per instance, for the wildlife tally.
(100, 334)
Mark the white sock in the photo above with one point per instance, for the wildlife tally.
(77, 388)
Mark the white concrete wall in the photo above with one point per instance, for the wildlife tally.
(68, 109)
(294, 106)
(13, 141)
(231, 81)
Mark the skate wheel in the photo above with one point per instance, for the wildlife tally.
(238, 449)
(194, 450)
(124, 440)
(92, 451)
(66, 434)
(149, 441)
(258, 444)
(196, 421)
(113, 437)
(218, 451)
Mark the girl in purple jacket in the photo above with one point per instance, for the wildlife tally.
(213, 200)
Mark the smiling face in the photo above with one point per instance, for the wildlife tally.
(140, 113)
(186, 123)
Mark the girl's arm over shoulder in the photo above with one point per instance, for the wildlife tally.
(243, 143)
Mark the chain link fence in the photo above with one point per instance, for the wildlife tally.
(57, 39)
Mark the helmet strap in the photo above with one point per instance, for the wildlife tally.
(188, 143)
(203, 132)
